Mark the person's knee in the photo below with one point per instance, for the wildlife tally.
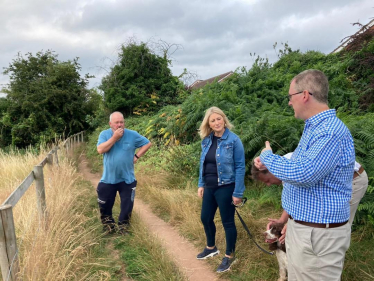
(206, 219)
(203, 219)
(229, 225)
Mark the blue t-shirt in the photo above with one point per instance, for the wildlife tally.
(119, 160)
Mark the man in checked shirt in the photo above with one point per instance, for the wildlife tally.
(317, 183)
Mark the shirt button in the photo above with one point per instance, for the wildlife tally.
(217, 154)
(222, 182)
(220, 172)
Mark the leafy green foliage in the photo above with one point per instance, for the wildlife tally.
(362, 130)
(365, 211)
(45, 98)
(140, 82)
(255, 101)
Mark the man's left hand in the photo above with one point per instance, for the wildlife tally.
(282, 239)
(267, 146)
(135, 159)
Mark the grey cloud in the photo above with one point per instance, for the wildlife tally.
(217, 36)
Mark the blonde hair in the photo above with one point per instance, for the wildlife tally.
(205, 129)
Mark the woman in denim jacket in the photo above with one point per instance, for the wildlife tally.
(221, 181)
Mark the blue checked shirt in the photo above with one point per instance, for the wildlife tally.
(318, 177)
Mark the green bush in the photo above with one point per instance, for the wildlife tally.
(255, 100)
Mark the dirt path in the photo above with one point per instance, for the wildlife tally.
(182, 251)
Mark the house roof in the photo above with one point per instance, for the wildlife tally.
(364, 29)
(201, 83)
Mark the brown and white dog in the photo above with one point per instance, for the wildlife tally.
(271, 236)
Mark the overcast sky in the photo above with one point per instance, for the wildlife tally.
(216, 36)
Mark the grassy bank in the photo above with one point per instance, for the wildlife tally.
(67, 245)
(70, 244)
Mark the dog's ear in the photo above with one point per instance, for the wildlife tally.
(283, 247)
(277, 229)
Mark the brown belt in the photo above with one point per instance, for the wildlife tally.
(359, 172)
(320, 225)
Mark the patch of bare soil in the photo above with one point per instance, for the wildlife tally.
(181, 250)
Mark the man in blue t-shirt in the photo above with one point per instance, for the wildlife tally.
(118, 146)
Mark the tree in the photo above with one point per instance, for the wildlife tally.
(45, 98)
(140, 82)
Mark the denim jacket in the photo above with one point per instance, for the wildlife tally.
(230, 161)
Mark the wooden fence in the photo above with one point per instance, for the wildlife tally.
(9, 262)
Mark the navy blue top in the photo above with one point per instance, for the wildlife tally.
(210, 165)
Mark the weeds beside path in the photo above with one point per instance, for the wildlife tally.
(179, 249)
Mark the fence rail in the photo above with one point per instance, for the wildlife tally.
(9, 262)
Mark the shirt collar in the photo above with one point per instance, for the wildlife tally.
(225, 133)
(320, 116)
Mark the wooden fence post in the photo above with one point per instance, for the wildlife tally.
(40, 191)
(8, 245)
(50, 159)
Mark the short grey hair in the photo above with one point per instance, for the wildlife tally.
(315, 82)
(115, 112)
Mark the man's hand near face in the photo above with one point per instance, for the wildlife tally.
(118, 134)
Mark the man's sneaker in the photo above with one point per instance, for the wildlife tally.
(109, 228)
(225, 264)
(123, 230)
(208, 253)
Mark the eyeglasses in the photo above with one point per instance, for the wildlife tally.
(289, 96)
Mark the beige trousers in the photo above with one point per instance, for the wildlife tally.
(359, 186)
(316, 253)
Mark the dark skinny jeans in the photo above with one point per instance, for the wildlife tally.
(221, 197)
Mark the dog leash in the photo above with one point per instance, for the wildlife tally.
(246, 227)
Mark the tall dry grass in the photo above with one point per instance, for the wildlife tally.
(14, 167)
(59, 248)
(181, 207)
